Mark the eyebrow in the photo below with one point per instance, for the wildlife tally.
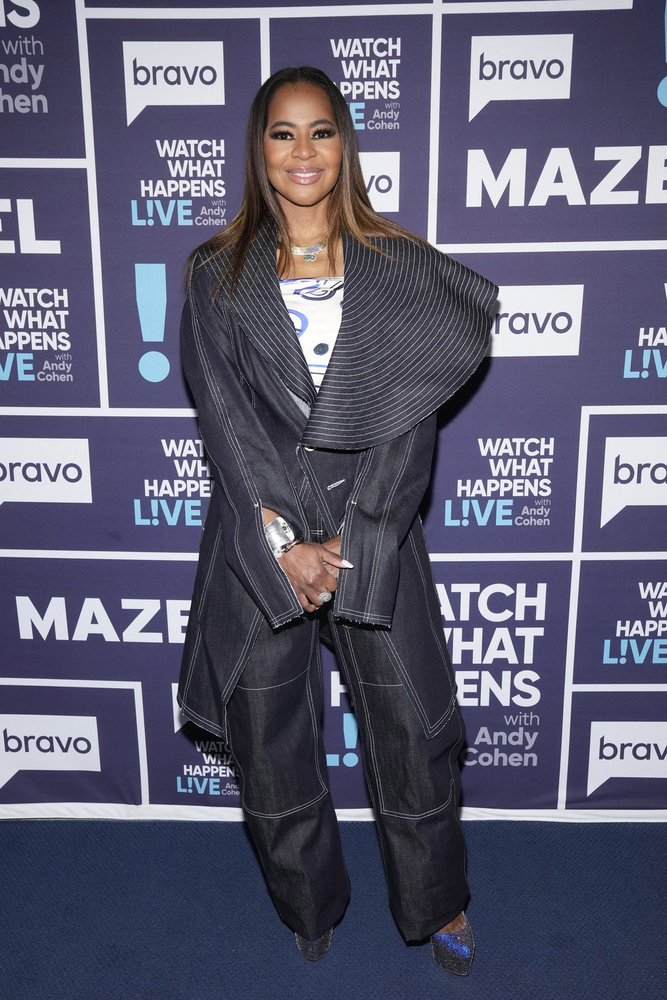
(320, 121)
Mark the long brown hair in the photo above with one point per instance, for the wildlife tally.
(349, 207)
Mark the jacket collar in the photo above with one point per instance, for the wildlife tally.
(258, 302)
(414, 327)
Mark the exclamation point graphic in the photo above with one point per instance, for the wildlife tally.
(662, 86)
(350, 735)
(151, 289)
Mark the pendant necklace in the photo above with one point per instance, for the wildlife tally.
(309, 253)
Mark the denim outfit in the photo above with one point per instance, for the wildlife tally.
(358, 456)
(412, 769)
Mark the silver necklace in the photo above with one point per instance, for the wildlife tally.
(309, 253)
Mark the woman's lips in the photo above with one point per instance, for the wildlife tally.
(304, 176)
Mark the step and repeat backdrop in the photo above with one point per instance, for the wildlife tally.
(528, 139)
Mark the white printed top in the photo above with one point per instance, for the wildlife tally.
(314, 305)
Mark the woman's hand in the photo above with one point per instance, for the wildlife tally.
(313, 569)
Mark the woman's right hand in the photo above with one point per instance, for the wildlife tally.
(312, 569)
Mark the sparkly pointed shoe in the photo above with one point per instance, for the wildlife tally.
(314, 950)
(454, 952)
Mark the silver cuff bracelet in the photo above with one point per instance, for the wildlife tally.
(280, 535)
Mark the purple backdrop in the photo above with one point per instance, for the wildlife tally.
(529, 143)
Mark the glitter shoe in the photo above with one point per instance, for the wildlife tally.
(314, 950)
(454, 952)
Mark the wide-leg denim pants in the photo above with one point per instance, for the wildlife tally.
(411, 734)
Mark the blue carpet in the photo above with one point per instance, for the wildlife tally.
(99, 910)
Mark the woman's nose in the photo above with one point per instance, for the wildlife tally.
(303, 147)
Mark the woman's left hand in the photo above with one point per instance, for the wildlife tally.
(313, 569)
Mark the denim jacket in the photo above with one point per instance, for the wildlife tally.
(354, 458)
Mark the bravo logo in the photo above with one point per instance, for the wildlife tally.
(635, 474)
(45, 470)
(168, 73)
(382, 176)
(538, 321)
(48, 743)
(518, 68)
(626, 750)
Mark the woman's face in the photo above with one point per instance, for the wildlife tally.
(302, 147)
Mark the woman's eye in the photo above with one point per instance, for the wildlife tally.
(323, 133)
(281, 135)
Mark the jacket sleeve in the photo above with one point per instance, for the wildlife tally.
(236, 444)
(391, 481)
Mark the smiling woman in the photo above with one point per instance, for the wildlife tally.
(303, 157)
(319, 340)
(303, 154)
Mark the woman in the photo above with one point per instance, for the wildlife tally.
(313, 529)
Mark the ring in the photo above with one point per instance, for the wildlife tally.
(324, 596)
